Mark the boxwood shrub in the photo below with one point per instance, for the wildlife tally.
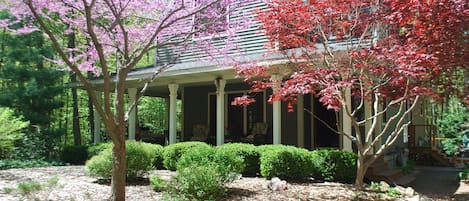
(158, 162)
(286, 162)
(248, 152)
(225, 162)
(334, 165)
(173, 152)
(94, 150)
(139, 158)
(196, 183)
(74, 154)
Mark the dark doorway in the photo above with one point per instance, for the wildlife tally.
(325, 135)
(235, 117)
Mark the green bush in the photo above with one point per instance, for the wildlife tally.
(196, 183)
(157, 183)
(173, 152)
(464, 174)
(8, 163)
(286, 162)
(334, 165)
(197, 156)
(248, 152)
(75, 154)
(139, 158)
(94, 150)
(12, 130)
(158, 162)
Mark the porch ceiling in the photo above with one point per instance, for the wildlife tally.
(183, 77)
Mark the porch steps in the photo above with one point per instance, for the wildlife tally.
(380, 171)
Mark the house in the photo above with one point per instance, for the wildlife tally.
(207, 90)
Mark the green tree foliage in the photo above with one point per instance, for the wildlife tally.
(453, 126)
(31, 87)
(12, 129)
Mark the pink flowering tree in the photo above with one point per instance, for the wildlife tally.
(113, 36)
(384, 55)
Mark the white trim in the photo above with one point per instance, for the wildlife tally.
(220, 84)
(173, 88)
(276, 113)
(132, 92)
(346, 123)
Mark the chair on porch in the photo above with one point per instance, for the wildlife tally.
(258, 133)
(200, 132)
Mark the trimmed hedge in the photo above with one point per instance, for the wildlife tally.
(248, 152)
(139, 157)
(173, 152)
(75, 154)
(94, 150)
(225, 162)
(334, 165)
(286, 162)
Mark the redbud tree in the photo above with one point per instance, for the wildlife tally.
(113, 36)
(382, 54)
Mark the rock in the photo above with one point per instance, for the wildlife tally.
(409, 191)
(414, 198)
(384, 186)
(277, 184)
(406, 192)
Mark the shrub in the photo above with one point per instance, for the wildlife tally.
(196, 183)
(139, 158)
(248, 152)
(173, 152)
(158, 161)
(12, 130)
(286, 162)
(157, 183)
(98, 148)
(464, 174)
(334, 165)
(197, 156)
(75, 154)
(8, 163)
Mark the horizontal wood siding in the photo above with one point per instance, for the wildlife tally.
(248, 41)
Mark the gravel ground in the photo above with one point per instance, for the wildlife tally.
(74, 184)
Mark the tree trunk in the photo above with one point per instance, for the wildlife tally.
(76, 115)
(118, 166)
(361, 170)
(91, 113)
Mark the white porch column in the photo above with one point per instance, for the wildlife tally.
(347, 123)
(277, 113)
(173, 89)
(97, 121)
(132, 115)
(220, 84)
(368, 114)
(300, 121)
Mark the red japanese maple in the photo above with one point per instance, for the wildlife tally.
(386, 54)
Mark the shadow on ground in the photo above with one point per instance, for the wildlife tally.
(441, 183)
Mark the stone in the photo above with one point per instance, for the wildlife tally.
(384, 185)
(277, 184)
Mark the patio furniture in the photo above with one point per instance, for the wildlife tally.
(258, 134)
(200, 132)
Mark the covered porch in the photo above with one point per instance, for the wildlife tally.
(206, 96)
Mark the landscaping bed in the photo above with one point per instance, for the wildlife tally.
(75, 184)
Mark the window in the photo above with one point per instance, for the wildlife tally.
(212, 21)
